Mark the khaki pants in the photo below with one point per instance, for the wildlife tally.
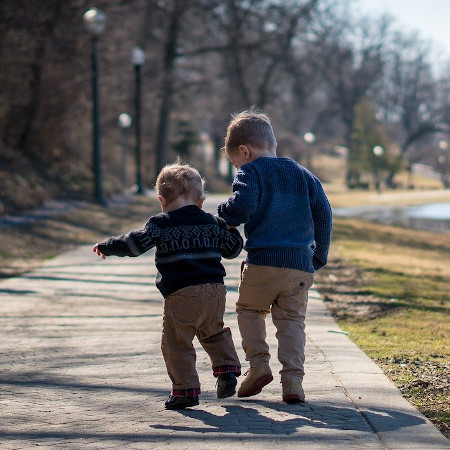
(195, 311)
(284, 293)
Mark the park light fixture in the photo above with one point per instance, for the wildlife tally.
(137, 57)
(310, 139)
(443, 162)
(138, 60)
(378, 152)
(125, 121)
(94, 22)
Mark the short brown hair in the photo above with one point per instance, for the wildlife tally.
(250, 127)
(177, 179)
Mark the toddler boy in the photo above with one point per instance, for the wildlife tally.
(189, 245)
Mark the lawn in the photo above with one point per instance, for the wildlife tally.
(389, 287)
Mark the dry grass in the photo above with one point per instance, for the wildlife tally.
(414, 252)
(331, 170)
(23, 247)
(389, 288)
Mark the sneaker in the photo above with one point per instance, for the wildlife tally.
(181, 402)
(256, 378)
(293, 390)
(226, 385)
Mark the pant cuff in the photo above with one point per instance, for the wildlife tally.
(219, 370)
(191, 392)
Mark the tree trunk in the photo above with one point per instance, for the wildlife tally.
(168, 88)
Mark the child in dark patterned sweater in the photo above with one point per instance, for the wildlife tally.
(189, 245)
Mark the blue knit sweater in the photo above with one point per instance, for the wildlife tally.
(287, 216)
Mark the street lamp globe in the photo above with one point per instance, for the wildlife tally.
(137, 56)
(309, 138)
(378, 150)
(124, 121)
(94, 21)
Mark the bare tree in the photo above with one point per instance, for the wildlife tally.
(307, 62)
(351, 57)
(407, 97)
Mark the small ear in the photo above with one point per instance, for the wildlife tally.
(162, 200)
(245, 151)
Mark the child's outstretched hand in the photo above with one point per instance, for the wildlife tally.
(96, 250)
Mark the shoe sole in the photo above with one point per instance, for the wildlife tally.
(188, 405)
(257, 386)
(291, 399)
(229, 391)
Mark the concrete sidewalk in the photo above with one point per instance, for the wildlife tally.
(81, 367)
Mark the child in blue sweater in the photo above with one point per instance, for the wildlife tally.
(189, 246)
(288, 223)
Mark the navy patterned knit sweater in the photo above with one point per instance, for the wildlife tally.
(287, 216)
(189, 245)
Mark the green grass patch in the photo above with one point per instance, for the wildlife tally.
(403, 333)
(389, 288)
(408, 290)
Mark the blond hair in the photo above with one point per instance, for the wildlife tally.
(177, 180)
(249, 127)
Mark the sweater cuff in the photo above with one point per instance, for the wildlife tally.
(317, 264)
(229, 220)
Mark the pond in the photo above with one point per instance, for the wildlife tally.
(430, 217)
(437, 211)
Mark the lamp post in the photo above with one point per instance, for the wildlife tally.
(378, 153)
(309, 138)
(124, 124)
(138, 59)
(94, 22)
(443, 161)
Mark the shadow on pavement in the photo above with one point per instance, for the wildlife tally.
(240, 418)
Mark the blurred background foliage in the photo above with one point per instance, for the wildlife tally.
(314, 66)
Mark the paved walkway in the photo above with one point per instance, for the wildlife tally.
(81, 367)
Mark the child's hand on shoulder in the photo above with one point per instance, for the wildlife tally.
(96, 250)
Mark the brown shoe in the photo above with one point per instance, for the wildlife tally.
(256, 378)
(293, 390)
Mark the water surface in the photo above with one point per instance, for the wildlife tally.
(430, 217)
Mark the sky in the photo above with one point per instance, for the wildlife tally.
(431, 18)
